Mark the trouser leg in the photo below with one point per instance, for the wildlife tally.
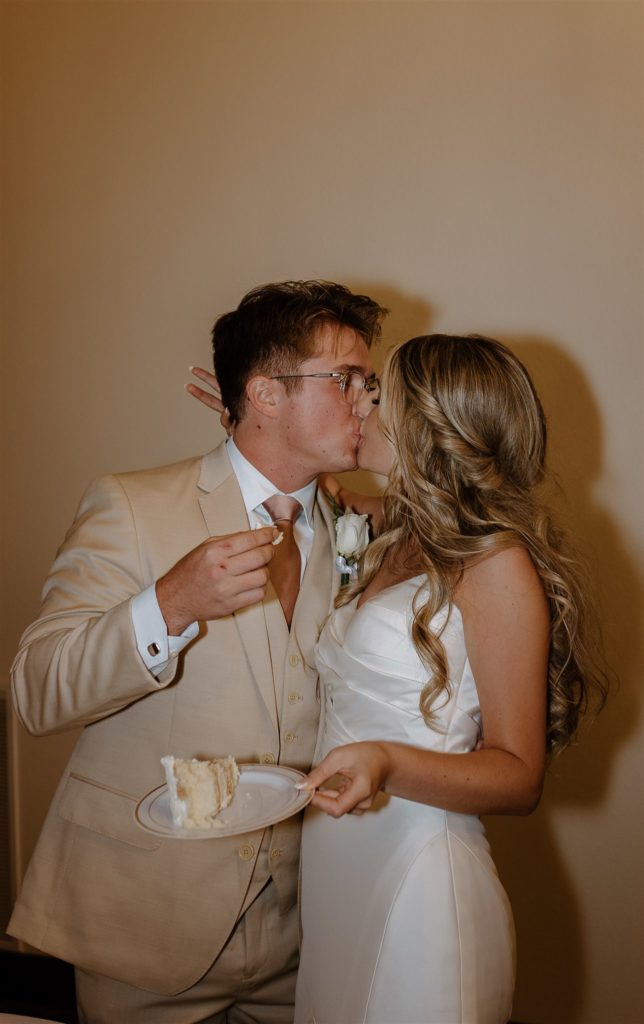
(252, 980)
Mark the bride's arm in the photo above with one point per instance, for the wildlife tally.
(507, 632)
(211, 399)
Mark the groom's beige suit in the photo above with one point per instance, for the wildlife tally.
(100, 891)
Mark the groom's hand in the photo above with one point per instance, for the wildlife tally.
(217, 578)
(360, 771)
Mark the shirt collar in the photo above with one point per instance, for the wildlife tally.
(255, 487)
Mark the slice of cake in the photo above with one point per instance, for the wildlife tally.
(199, 790)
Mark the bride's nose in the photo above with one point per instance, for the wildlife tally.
(364, 402)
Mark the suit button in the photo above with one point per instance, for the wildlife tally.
(246, 852)
(275, 855)
(289, 737)
(267, 759)
(293, 698)
(294, 660)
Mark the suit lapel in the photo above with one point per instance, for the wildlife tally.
(224, 512)
(327, 515)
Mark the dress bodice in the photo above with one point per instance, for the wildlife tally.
(372, 676)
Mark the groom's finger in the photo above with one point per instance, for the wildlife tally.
(218, 577)
(254, 553)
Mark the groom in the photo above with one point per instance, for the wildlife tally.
(157, 651)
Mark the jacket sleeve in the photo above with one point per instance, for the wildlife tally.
(78, 662)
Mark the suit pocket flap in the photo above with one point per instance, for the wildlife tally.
(105, 811)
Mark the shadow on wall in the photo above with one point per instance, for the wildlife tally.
(409, 315)
(539, 881)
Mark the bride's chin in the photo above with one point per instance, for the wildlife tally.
(366, 464)
(374, 466)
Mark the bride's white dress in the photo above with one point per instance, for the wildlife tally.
(404, 919)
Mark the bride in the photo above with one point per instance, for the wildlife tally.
(451, 669)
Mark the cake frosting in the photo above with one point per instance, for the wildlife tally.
(199, 790)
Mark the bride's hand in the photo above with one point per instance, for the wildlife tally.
(363, 504)
(212, 401)
(362, 770)
(331, 486)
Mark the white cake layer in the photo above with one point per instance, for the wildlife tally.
(199, 789)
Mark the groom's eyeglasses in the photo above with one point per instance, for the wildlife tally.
(351, 382)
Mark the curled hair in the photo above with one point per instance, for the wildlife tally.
(469, 436)
(274, 329)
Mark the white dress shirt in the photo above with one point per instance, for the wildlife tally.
(154, 644)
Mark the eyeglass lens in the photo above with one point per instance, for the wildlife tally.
(355, 383)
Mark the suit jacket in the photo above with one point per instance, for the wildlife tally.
(100, 891)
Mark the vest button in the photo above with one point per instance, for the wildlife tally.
(294, 660)
(246, 852)
(289, 737)
(293, 698)
(267, 759)
(275, 854)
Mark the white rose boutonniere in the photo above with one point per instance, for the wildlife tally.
(351, 539)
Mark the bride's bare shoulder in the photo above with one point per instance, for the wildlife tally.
(506, 574)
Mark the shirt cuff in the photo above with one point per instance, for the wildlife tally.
(153, 643)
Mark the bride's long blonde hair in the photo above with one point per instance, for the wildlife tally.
(469, 433)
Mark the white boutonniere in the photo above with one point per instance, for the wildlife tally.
(351, 539)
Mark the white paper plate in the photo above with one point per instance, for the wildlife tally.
(265, 794)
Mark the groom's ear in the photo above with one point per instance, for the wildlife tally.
(264, 394)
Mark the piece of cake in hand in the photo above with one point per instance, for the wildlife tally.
(199, 790)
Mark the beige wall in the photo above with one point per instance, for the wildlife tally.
(477, 167)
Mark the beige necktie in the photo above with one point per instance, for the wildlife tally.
(285, 564)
